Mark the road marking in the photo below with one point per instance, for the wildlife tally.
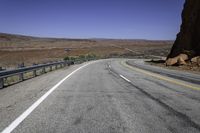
(125, 78)
(18, 120)
(174, 81)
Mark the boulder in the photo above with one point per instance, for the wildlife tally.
(198, 61)
(171, 61)
(178, 60)
(181, 61)
(195, 59)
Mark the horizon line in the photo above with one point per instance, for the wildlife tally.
(84, 38)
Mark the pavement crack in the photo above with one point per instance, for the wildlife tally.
(179, 114)
(161, 84)
(78, 120)
(174, 90)
(89, 108)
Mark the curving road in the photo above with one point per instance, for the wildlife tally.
(106, 96)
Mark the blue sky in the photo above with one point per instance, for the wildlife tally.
(122, 19)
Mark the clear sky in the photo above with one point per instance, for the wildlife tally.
(122, 19)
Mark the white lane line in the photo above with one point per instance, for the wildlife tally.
(125, 78)
(18, 120)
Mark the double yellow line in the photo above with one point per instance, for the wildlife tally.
(171, 80)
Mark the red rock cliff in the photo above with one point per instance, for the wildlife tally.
(188, 39)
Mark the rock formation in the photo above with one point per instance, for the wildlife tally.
(188, 39)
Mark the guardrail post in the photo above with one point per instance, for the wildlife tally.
(56, 67)
(43, 70)
(21, 77)
(34, 73)
(1, 83)
(50, 68)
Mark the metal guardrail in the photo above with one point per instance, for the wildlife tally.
(20, 72)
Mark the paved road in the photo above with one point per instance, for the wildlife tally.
(106, 96)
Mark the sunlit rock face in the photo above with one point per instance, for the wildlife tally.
(188, 39)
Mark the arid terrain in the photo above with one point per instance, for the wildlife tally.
(15, 49)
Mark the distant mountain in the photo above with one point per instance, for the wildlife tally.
(4, 37)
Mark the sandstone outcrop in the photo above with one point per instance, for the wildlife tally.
(178, 60)
(188, 39)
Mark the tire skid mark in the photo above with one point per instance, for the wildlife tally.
(179, 114)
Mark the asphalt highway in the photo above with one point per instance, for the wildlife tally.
(105, 96)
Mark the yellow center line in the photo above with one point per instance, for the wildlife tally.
(171, 80)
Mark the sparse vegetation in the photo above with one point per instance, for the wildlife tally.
(81, 58)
